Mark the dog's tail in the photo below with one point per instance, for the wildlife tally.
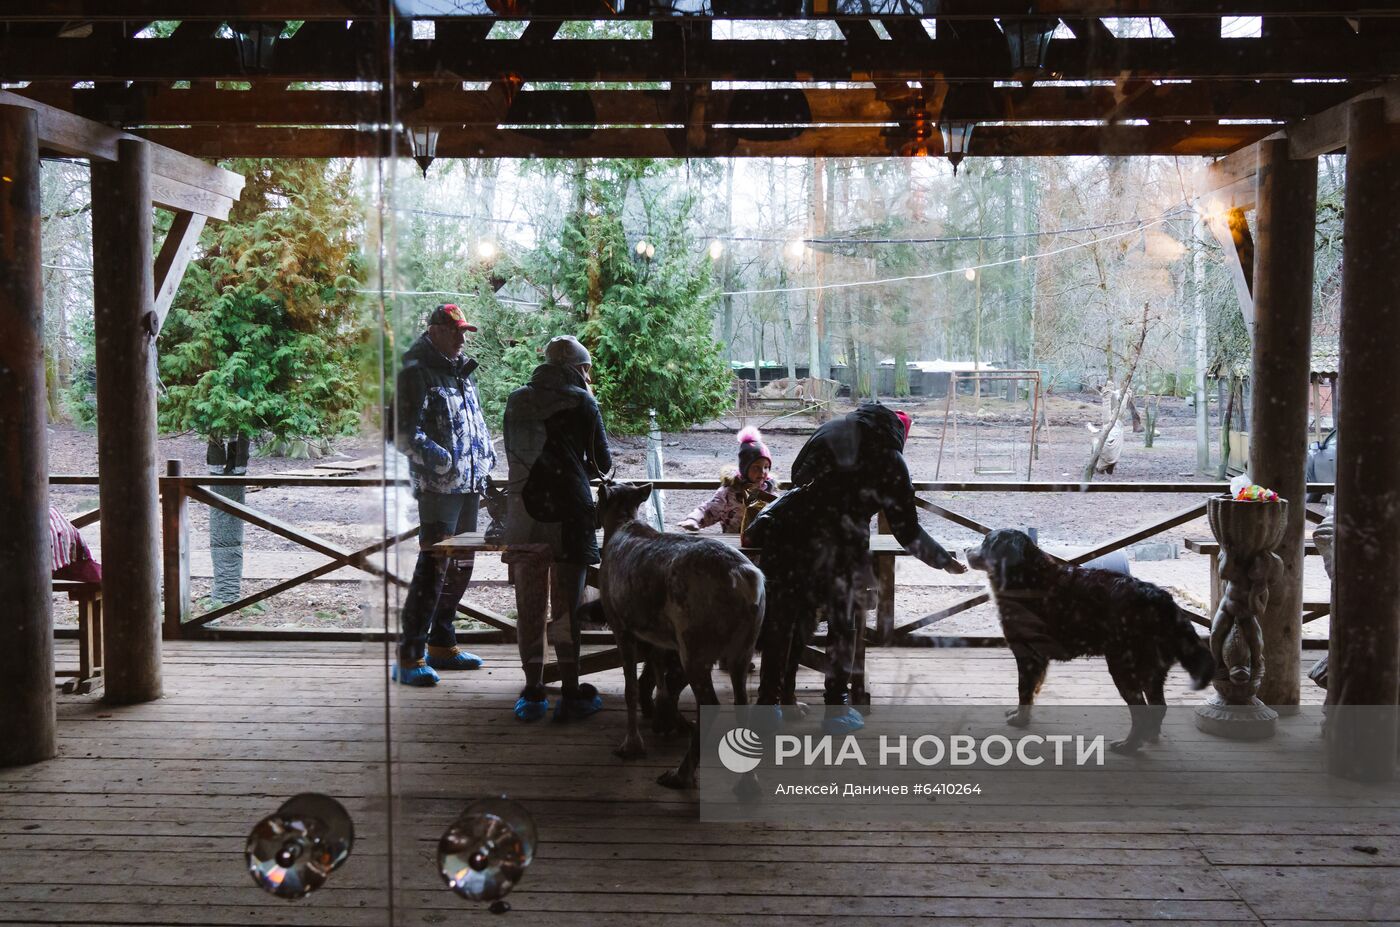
(1194, 655)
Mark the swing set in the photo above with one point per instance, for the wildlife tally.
(988, 464)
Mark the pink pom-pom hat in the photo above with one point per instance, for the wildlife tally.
(751, 448)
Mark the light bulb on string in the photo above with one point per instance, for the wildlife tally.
(642, 248)
(716, 249)
(486, 249)
(796, 249)
(970, 274)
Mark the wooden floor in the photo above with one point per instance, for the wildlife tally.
(141, 819)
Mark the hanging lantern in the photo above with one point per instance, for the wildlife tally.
(957, 139)
(255, 41)
(1028, 38)
(422, 144)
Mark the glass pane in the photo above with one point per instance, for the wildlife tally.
(266, 435)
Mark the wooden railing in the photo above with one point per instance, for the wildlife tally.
(177, 489)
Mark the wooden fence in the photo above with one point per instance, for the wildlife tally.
(177, 490)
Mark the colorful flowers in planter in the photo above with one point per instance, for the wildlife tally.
(1256, 493)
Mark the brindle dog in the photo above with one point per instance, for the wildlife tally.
(1052, 610)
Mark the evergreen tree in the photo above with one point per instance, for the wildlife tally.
(268, 336)
(648, 323)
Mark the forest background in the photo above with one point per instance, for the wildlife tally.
(674, 273)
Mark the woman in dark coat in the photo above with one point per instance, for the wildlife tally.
(555, 444)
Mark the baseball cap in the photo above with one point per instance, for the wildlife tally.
(451, 314)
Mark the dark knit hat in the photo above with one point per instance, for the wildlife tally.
(751, 448)
(566, 351)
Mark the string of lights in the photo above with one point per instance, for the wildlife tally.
(954, 239)
(846, 240)
(970, 272)
(463, 215)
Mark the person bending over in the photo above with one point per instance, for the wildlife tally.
(815, 542)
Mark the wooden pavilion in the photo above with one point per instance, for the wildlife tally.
(151, 91)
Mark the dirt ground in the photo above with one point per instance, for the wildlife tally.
(994, 436)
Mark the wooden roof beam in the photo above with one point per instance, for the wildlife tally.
(178, 181)
(1326, 131)
(352, 55)
(447, 104)
(593, 9)
(1230, 181)
(846, 141)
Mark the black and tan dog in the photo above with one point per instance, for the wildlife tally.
(1051, 610)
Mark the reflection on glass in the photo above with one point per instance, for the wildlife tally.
(487, 849)
(291, 853)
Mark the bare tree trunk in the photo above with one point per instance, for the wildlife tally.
(1227, 420)
(727, 262)
(821, 354)
(1202, 402)
(1123, 395)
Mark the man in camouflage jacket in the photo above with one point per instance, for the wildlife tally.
(440, 428)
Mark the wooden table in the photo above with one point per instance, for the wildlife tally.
(883, 547)
(1211, 548)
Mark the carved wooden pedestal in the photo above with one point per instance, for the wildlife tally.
(1249, 533)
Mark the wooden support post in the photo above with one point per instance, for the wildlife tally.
(1285, 221)
(175, 552)
(27, 726)
(125, 326)
(1364, 666)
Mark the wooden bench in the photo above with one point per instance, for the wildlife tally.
(1211, 548)
(883, 547)
(89, 599)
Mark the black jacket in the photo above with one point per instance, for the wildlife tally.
(851, 469)
(555, 444)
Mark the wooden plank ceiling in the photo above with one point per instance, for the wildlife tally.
(509, 78)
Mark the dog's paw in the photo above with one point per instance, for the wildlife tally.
(632, 748)
(675, 779)
(1125, 747)
(1018, 717)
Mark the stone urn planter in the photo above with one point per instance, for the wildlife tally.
(1249, 533)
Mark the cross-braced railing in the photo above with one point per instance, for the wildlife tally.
(177, 489)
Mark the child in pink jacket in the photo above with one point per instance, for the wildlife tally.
(728, 504)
